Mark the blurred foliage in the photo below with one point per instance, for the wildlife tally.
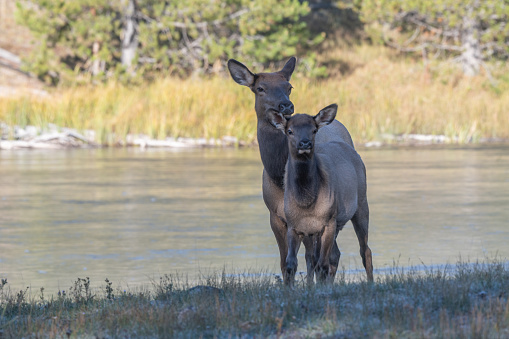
(472, 31)
(84, 37)
(380, 96)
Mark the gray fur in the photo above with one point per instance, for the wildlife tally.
(273, 147)
(325, 187)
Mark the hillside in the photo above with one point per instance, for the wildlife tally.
(15, 42)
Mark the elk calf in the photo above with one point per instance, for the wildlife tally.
(325, 187)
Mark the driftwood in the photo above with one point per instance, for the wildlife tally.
(10, 57)
(11, 61)
(49, 141)
(55, 138)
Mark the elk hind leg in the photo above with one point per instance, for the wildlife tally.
(360, 223)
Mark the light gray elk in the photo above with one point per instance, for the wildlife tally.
(324, 188)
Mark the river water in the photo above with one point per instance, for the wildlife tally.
(133, 215)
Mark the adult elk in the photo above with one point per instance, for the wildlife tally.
(272, 92)
(324, 188)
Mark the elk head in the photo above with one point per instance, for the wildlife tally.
(301, 129)
(272, 90)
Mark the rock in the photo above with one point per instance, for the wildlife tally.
(247, 325)
(201, 289)
(229, 140)
(186, 314)
(32, 131)
(55, 137)
(19, 144)
(373, 144)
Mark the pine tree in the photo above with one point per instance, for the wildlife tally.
(146, 37)
(72, 36)
(472, 31)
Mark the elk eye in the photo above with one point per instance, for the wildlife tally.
(290, 132)
(290, 90)
(260, 90)
(314, 131)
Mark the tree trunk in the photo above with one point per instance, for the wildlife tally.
(471, 57)
(96, 64)
(130, 38)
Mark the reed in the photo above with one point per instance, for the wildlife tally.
(468, 300)
(377, 91)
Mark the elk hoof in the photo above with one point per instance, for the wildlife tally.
(322, 272)
(290, 276)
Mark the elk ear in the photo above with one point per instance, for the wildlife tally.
(326, 115)
(240, 73)
(289, 68)
(279, 121)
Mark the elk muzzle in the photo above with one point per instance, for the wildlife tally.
(286, 108)
(304, 146)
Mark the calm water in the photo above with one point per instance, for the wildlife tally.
(133, 215)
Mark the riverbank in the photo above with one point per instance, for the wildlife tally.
(382, 97)
(54, 137)
(470, 301)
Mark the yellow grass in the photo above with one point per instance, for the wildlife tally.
(378, 93)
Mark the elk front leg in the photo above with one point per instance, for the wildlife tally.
(334, 260)
(293, 241)
(326, 242)
(279, 229)
(309, 244)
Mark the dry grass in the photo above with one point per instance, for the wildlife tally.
(377, 92)
(466, 301)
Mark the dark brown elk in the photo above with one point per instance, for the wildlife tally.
(324, 188)
(272, 96)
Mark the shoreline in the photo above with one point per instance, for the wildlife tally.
(54, 137)
(470, 302)
(350, 276)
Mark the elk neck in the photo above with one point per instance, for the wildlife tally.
(303, 180)
(273, 151)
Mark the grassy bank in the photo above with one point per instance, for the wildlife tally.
(470, 301)
(377, 91)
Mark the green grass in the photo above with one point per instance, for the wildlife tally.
(378, 92)
(469, 301)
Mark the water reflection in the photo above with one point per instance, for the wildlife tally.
(133, 215)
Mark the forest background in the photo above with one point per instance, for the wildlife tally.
(157, 68)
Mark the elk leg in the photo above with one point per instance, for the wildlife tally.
(309, 242)
(335, 254)
(326, 241)
(279, 230)
(317, 244)
(334, 260)
(291, 260)
(360, 223)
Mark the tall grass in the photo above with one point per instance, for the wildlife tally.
(168, 107)
(378, 93)
(469, 301)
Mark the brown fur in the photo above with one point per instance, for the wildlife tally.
(325, 187)
(274, 150)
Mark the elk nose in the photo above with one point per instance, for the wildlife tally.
(286, 107)
(305, 144)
